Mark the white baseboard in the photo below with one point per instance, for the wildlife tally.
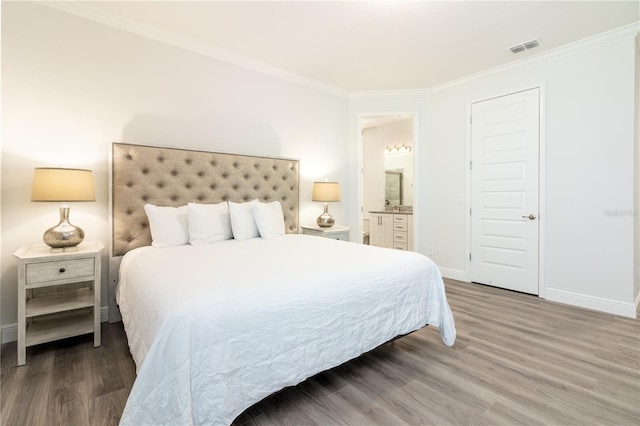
(454, 274)
(10, 331)
(590, 302)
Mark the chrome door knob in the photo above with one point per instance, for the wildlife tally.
(530, 217)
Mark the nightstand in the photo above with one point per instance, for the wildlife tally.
(58, 294)
(335, 232)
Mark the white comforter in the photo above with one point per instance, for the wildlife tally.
(213, 329)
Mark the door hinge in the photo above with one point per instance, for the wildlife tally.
(470, 119)
(470, 165)
(469, 211)
(469, 256)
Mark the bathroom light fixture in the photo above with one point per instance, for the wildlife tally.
(62, 185)
(397, 149)
(326, 192)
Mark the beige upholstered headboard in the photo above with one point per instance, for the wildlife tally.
(174, 177)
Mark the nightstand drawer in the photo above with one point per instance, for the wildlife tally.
(400, 236)
(339, 236)
(59, 270)
(400, 246)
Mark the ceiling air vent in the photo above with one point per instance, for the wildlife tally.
(524, 46)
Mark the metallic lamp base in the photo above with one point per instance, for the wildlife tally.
(63, 236)
(325, 220)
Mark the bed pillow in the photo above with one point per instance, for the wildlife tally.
(169, 225)
(269, 219)
(208, 223)
(243, 225)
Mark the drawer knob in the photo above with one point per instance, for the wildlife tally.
(62, 270)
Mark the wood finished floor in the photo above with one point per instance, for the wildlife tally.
(517, 360)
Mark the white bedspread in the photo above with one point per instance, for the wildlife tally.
(215, 328)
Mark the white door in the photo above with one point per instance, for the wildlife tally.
(505, 138)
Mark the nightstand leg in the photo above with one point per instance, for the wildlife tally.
(97, 335)
(22, 320)
(22, 352)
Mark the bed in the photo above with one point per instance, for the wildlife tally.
(214, 328)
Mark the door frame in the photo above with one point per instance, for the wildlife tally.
(542, 208)
(414, 114)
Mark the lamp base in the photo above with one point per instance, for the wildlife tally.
(325, 220)
(64, 236)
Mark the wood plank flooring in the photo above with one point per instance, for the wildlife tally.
(517, 360)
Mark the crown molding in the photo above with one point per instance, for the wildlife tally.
(397, 94)
(195, 46)
(189, 44)
(570, 49)
(583, 45)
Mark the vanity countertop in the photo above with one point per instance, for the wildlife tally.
(391, 211)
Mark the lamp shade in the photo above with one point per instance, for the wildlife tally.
(62, 185)
(326, 191)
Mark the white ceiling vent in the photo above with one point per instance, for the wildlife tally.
(525, 46)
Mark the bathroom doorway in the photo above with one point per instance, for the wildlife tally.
(387, 179)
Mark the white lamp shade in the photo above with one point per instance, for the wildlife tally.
(326, 191)
(62, 185)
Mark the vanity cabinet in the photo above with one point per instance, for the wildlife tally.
(403, 232)
(391, 230)
(381, 230)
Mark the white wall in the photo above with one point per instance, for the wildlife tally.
(372, 171)
(589, 114)
(71, 86)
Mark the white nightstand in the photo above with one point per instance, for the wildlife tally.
(58, 294)
(335, 232)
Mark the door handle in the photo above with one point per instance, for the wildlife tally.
(530, 217)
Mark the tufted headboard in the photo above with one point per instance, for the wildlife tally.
(174, 177)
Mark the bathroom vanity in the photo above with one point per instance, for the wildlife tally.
(391, 229)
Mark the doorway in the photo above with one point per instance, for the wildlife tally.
(387, 179)
(505, 191)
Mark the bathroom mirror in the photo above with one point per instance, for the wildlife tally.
(393, 187)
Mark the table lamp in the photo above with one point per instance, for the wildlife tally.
(62, 185)
(326, 192)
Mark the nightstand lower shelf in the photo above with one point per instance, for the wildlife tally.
(60, 328)
(59, 302)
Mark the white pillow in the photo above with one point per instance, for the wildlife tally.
(169, 226)
(243, 224)
(208, 223)
(269, 218)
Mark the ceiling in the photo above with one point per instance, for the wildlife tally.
(375, 45)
